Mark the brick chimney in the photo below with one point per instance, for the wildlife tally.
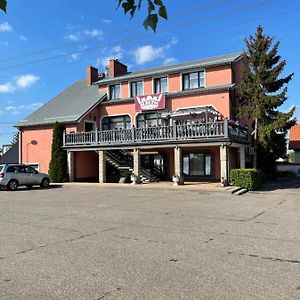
(116, 68)
(91, 75)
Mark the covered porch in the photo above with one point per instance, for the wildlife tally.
(194, 144)
(209, 162)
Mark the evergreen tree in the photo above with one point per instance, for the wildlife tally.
(15, 138)
(58, 167)
(261, 93)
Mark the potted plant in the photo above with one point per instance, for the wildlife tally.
(134, 178)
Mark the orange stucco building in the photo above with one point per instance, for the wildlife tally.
(155, 123)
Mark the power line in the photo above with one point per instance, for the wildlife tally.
(181, 37)
(127, 29)
(8, 133)
(180, 26)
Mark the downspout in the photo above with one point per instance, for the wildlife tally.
(20, 145)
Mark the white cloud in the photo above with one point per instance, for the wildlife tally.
(94, 33)
(18, 109)
(21, 82)
(5, 43)
(147, 53)
(74, 56)
(23, 38)
(72, 37)
(5, 27)
(7, 88)
(169, 61)
(25, 81)
(116, 52)
(106, 21)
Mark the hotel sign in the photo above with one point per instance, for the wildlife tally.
(149, 102)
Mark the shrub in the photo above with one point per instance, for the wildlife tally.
(250, 179)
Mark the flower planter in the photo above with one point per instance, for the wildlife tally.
(177, 180)
(134, 179)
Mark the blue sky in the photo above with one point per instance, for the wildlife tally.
(46, 45)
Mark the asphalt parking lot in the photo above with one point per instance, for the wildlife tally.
(92, 242)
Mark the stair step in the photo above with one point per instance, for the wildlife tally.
(241, 192)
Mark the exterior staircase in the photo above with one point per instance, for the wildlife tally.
(123, 161)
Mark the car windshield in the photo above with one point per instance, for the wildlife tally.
(1, 168)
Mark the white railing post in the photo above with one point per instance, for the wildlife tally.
(64, 138)
(174, 131)
(226, 128)
(96, 136)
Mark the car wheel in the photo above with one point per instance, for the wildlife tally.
(29, 186)
(12, 185)
(45, 183)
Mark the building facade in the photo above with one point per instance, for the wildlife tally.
(156, 123)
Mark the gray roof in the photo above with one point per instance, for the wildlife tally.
(206, 62)
(68, 107)
(12, 155)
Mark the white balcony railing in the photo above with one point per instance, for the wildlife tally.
(175, 133)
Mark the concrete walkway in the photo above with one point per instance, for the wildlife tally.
(212, 186)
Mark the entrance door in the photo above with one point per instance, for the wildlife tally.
(89, 126)
(156, 163)
(197, 166)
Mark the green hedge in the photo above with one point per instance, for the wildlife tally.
(250, 179)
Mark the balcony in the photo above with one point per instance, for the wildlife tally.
(196, 133)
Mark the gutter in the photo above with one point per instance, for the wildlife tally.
(177, 94)
(170, 70)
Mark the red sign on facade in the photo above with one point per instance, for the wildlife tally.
(149, 102)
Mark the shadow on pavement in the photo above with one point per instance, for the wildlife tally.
(52, 186)
(281, 183)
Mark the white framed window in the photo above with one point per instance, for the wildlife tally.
(160, 85)
(114, 91)
(193, 80)
(136, 88)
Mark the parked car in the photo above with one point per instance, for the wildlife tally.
(14, 175)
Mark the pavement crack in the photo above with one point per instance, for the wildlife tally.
(136, 239)
(256, 216)
(274, 259)
(81, 237)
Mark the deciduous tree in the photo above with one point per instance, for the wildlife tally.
(155, 10)
(3, 5)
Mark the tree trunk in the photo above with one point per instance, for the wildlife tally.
(255, 143)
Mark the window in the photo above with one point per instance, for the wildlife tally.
(89, 126)
(117, 122)
(35, 167)
(136, 88)
(11, 169)
(114, 91)
(193, 80)
(146, 120)
(30, 170)
(197, 164)
(160, 85)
